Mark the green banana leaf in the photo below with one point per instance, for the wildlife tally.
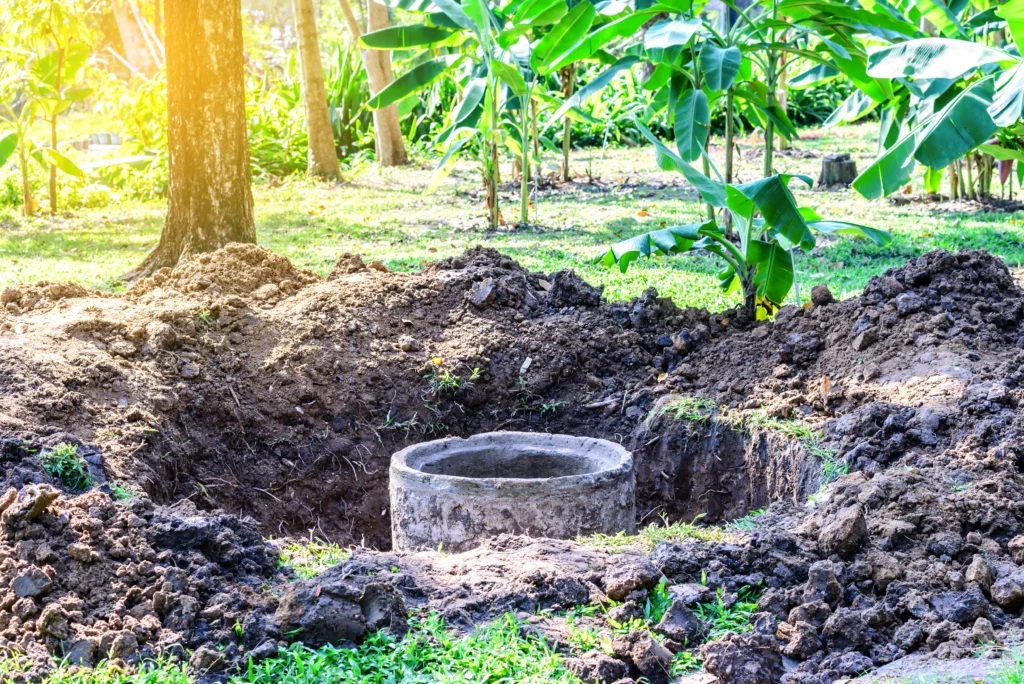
(855, 107)
(511, 77)
(932, 58)
(420, 76)
(1008, 104)
(555, 49)
(671, 33)
(816, 75)
(773, 274)
(692, 119)
(8, 144)
(674, 240)
(772, 198)
(712, 192)
(399, 37)
(595, 86)
(719, 65)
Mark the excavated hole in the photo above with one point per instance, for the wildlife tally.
(709, 470)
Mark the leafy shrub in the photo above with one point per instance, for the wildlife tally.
(64, 463)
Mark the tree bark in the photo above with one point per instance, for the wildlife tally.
(388, 142)
(136, 52)
(209, 188)
(323, 157)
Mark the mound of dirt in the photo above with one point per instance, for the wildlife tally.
(43, 295)
(239, 269)
(271, 401)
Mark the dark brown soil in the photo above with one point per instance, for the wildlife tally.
(250, 400)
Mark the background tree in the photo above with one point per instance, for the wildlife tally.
(388, 142)
(323, 158)
(209, 190)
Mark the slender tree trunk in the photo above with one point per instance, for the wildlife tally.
(524, 179)
(323, 157)
(568, 83)
(209, 189)
(53, 133)
(158, 19)
(26, 187)
(387, 139)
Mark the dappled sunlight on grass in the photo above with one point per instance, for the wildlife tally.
(382, 214)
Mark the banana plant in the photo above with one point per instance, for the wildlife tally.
(769, 225)
(495, 54)
(41, 70)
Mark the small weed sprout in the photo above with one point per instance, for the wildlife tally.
(748, 522)
(551, 407)
(657, 603)
(120, 491)
(64, 463)
(205, 317)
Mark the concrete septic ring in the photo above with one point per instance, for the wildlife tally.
(455, 493)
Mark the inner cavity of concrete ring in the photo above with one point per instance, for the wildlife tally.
(455, 493)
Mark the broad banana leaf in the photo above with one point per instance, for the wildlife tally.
(719, 65)
(671, 33)
(453, 10)
(933, 180)
(555, 49)
(856, 106)
(8, 144)
(961, 126)
(890, 171)
(60, 161)
(416, 78)
(601, 36)
(595, 86)
(511, 77)
(692, 119)
(771, 197)
(1013, 13)
(712, 192)
(1008, 104)
(940, 16)
(399, 37)
(932, 58)
(773, 274)
(816, 75)
(674, 240)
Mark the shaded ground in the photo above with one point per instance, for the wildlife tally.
(250, 399)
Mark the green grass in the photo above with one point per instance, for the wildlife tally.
(314, 557)
(498, 652)
(652, 535)
(64, 463)
(383, 215)
(160, 672)
(723, 619)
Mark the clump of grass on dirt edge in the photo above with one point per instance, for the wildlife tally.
(652, 535)
(64, 463)
(497, 652)
(314, 557)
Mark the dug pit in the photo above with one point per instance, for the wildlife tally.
(456, 493)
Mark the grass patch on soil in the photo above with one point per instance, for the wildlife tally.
(497, 652)
(382, 214)
(652, 535)
(311, 558)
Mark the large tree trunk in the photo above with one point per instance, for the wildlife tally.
(136, 51)
(323, 157)
(209, 189)
(388, 140)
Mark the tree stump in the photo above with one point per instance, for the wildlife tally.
(837, 169)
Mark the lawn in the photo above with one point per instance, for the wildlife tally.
(383, 215)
